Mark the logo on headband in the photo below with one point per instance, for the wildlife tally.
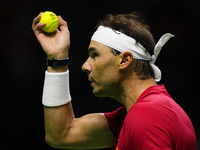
(117, 32)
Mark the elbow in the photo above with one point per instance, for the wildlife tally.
(52, 142)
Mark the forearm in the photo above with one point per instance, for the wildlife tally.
(57, 123)
(58, 112)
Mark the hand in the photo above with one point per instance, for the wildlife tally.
(55, 45)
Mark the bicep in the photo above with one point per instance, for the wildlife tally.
(89, 131)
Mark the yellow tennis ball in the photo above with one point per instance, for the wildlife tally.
(51, 20)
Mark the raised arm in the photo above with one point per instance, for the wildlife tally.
(62, 129)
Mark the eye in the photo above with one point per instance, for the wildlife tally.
(93, 54)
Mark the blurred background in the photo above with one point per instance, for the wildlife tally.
(23, 65)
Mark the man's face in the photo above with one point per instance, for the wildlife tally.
(102, 68)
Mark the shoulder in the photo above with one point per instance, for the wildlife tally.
(152, 112)
(153, 109)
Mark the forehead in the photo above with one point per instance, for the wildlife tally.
(98, 47)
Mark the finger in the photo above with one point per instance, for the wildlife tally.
(63, 24)
(36, 20)
(36, 26)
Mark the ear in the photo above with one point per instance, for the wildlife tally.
(126, 59)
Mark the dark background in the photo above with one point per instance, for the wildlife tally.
(22, 60)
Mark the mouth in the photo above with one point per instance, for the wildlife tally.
(91, 80)
(91, 84)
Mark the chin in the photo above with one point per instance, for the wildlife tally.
(99, 93)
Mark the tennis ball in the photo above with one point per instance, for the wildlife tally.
(51, 20)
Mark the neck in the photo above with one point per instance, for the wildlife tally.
(132, 90)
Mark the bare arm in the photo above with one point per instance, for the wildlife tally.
(89, 131)
(62, 129)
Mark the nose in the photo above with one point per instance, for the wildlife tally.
(86, 67)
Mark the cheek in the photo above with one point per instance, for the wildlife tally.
(104, 67)
(98, 71)
(106, 71)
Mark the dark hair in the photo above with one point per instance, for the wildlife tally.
(134, 26)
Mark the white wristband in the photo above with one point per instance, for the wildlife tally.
(56, 89)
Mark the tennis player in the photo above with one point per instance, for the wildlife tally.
(121, 65)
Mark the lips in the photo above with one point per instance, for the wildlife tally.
(90, 79)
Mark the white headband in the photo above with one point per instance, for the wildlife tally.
(122, 43)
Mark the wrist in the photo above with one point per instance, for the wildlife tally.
(58, 56)
(57, 65)
(57, 69)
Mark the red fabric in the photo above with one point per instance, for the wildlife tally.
(117, 120)
(155, 121)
